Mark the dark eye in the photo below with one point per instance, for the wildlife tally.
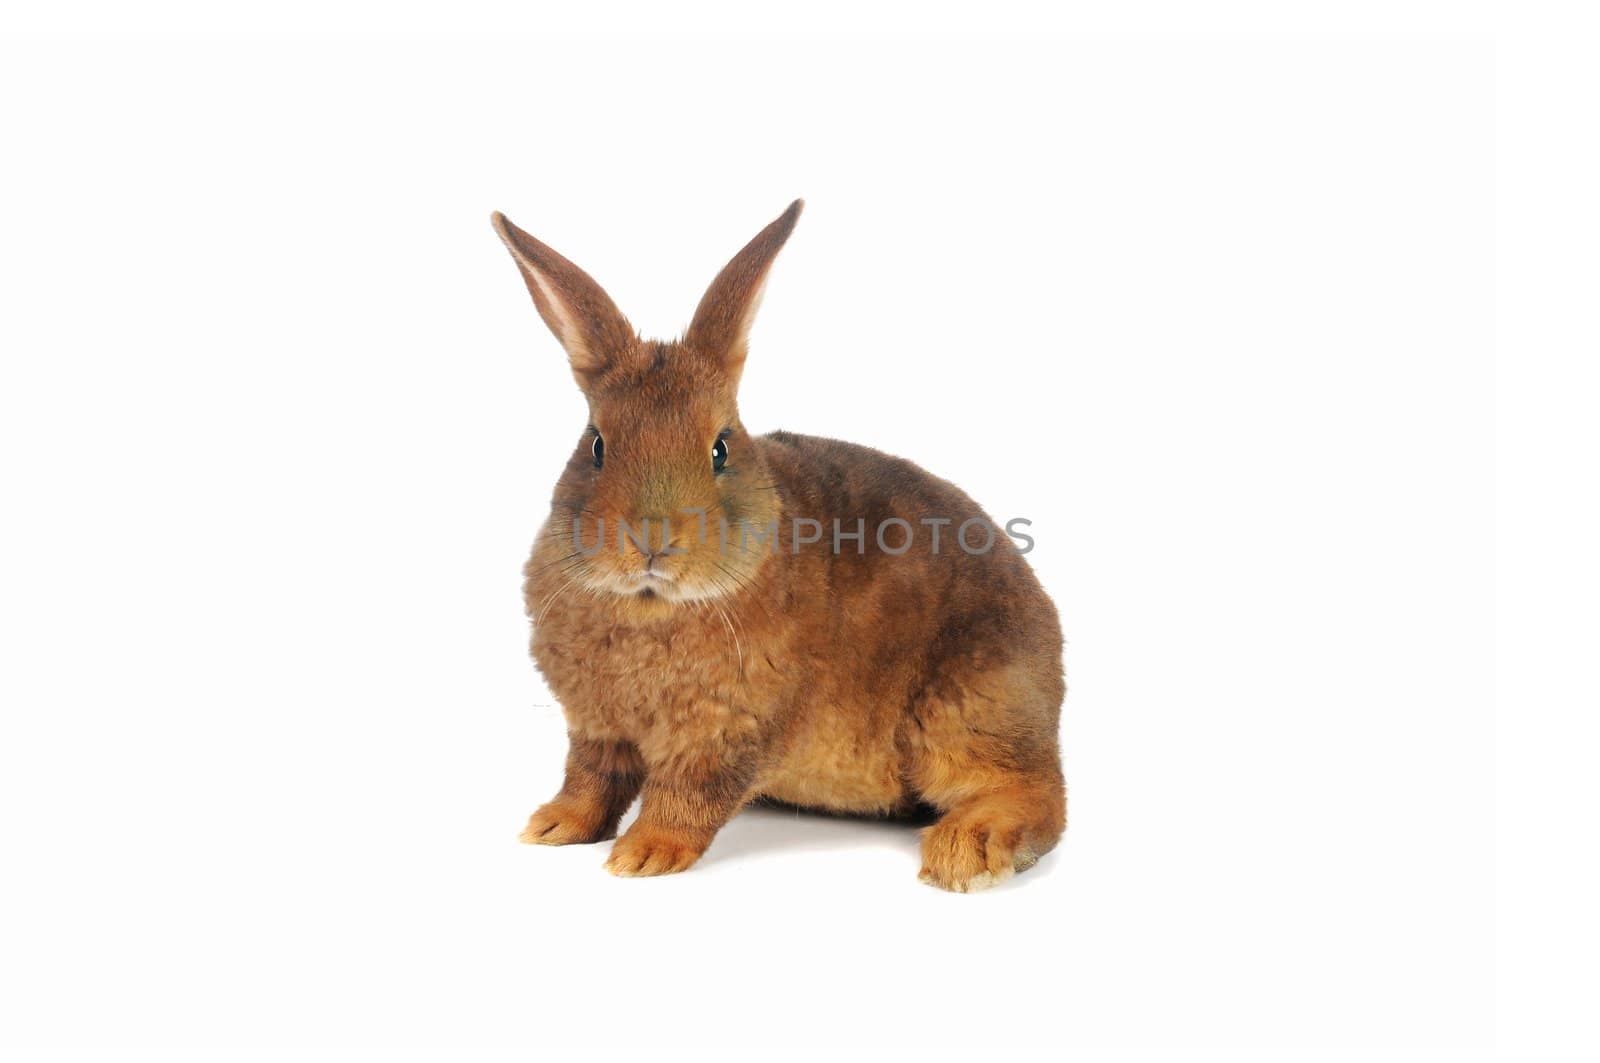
(719, 455)
(599, 449)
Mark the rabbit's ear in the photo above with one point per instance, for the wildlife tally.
(578, 310)
(721, 325)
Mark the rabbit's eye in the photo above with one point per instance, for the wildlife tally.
(599, 449)
(719, 455)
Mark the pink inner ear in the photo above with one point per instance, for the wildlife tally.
(576, 309)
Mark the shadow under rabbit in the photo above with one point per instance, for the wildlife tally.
(774, 828)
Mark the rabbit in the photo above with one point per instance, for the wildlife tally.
(710, 647)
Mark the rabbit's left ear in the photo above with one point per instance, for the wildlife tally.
(721, 325)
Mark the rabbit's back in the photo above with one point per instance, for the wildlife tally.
(913, 657)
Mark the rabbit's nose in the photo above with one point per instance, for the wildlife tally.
(652, 537)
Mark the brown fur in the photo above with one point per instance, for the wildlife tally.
(857, 682)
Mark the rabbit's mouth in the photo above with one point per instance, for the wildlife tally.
(650, 582)
(656, 584)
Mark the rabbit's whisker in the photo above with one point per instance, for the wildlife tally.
(747, 587)
(551, 600)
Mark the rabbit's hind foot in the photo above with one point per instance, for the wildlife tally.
(985, 839)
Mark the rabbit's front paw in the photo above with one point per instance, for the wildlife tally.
(566, 822)
(647, 851)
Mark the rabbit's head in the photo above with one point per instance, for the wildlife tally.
(664, 499)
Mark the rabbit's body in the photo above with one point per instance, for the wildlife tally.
(709, 663)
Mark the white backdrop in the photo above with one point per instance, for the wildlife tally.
(280, 421)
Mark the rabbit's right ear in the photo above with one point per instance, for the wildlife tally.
(578, 310)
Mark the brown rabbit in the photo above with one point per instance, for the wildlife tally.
(728, 617)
